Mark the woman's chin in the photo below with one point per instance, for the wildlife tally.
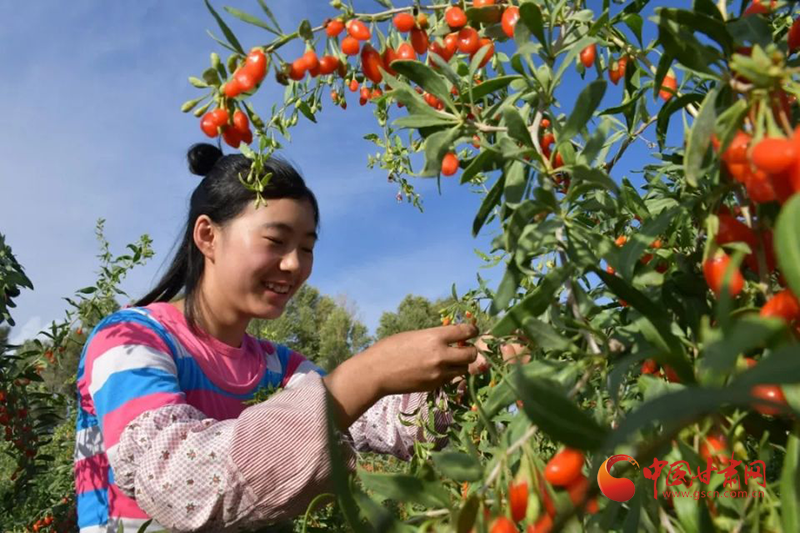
(268, 310)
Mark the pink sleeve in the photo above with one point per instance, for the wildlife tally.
(391, 425)
(191, 472)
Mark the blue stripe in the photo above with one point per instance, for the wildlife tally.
(111, 476)
(121, 387)
(92, 508)
(84, 420)
(126, 315)
(191, 378)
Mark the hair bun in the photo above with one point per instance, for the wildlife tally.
(202, 158)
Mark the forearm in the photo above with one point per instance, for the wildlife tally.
(354, 386)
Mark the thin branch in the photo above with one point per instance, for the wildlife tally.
(628, 142)
(486, 128)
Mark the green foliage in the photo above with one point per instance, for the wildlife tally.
(563, 210)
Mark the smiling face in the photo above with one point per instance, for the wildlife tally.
(273, 243)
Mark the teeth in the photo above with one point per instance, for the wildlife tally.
(281, 289)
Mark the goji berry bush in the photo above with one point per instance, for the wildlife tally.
(660, 314)
(38, 395)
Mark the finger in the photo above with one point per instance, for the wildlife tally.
(460, 356)
(478, 366)
(458, 332)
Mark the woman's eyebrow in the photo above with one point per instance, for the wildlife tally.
(287, 227)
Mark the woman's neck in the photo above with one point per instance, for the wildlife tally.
(225, 329)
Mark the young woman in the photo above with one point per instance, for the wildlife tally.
(163, 431)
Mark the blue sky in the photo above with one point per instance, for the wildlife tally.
(94, 130)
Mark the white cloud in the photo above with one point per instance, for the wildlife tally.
(28, 330)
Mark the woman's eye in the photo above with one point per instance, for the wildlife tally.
(275, 241)
(309, 250)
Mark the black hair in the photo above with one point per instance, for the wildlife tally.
(222, 197)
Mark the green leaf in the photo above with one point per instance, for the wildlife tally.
(305, 31)
(305, 110)
(143, 527)
(87, 290)
(490, 86)
(447, 70)
(548, 407)
(657, 322)
(234, 42)
(684, 46)
(503, 394)
(597, 176)
(425, 77)
(545, 337)
(436, 146)
(517, 129)
(190, 104)
(667, 110)
(569, 60)
(491, 200)
(790, 480)
(700, 138)
(506, 290)
(408, 97)
(634, 7)
(661, 72)
(467, 515)
(780, 367)
(269, 14)
(475, 61)
(405, 488)
(422, 121)
(197, 82)
(632, 250)
(755, 30)
(599, 24)
(339, 474)
(531, 16)
(534, 304)
(674, 410)
(211, 76)
(378, 516)
(585, 106)
(787, 242)
(747, 333)
(707, 7)
(458, 466)
(484, 160)
(522, 216)
(634, 22)
(712, 27)
(250, 19)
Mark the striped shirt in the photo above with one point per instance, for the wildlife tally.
(163, 431)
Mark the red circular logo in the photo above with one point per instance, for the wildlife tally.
(617, 489)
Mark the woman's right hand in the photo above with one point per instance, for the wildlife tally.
(423, 360)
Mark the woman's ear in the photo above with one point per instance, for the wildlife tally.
(205, 236)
